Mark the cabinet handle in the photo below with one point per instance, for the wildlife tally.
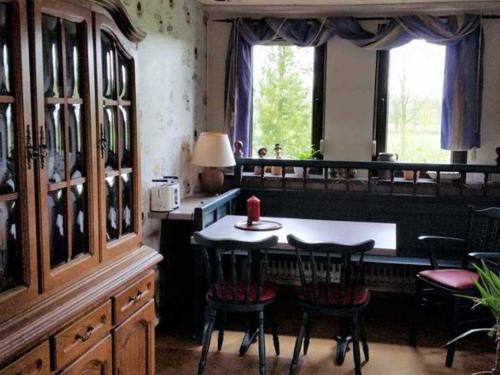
(86, 335)
(42, 148)
(137, 297)
(30, 149)
(103, 143)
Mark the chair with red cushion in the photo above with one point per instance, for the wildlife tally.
(236, 273)
(331, 284)
(444, 285)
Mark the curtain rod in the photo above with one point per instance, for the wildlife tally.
(488, 16)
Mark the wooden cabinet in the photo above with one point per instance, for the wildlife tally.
(35, 362)
(70, 208)
(119, 139)
(18, 258)
(97, 361)
(65, 131)
(134, 343)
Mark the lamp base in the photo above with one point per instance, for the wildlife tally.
(212, 180)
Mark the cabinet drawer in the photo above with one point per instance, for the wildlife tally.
(134, 297)
(81, 335)
(98, 360)
(35, 362)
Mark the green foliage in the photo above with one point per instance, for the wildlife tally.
(489, 289)
(307, 154)
(283, 102)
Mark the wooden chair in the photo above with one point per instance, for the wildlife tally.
(237, 287)
(334, 287)
(442, 285)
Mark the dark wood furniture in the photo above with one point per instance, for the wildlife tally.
(76, 283)
(332, 286)
(482, 241)
(236, 288)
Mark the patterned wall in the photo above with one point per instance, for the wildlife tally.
(171, 92)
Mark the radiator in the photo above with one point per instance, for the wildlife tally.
(378, 277)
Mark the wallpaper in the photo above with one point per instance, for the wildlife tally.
(171, 93)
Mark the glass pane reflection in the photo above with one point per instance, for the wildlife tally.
(51, 56)
(125, 150)
(54, 138)
(124, 77)
(5, 61)
(7, 145)
(11, 264)
(73, 55)
(76, 146)
(108, 67)
(111, 208)
(110, 133)
(80, 237)
(57, 223)
(127, 208)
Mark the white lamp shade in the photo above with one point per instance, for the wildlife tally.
(213, 150)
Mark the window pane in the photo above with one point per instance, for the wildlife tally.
(5, 55)
(11, 263)
(414, 110)
(51, 56)
(283, 78)
(56, 204)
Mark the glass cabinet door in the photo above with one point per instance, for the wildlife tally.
(119, 166)
(66, 127)
(18, 266)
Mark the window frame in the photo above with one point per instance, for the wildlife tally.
(380, 109)
(318, 97)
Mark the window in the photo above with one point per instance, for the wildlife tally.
(287, 98)
(408, 113)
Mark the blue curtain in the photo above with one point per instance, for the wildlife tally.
(461, 89)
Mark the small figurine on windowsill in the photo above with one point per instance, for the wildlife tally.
(278, 153)
(498, 158)
(238, 150)
(262, 152)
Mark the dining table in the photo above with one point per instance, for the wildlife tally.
(312, 231)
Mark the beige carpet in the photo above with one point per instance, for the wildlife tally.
(176, 356)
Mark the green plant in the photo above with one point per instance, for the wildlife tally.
(489, 296)
(307, 154)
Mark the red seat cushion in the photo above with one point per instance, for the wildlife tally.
(452, 278)
(267, 293)
(361, 295)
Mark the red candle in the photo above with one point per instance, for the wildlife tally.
(253, 209)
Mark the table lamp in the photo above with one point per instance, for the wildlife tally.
(213, 151)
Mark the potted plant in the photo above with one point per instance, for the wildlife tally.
(489, 296)
(305, 155)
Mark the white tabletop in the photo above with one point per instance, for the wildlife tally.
(313, 231)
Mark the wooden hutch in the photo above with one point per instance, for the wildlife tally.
(76, 283)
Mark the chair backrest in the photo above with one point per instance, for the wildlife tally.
(234, 282)
(484, 230)
(330, 273)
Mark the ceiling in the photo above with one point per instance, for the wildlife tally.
(350, 7)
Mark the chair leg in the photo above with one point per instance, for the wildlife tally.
(220, 338)
(262, 344)
(416, 313)
(355, 345)
(364, 341)
(450, 355)
(274, 330)
(307, 336)
(207, 335)
(298, 344)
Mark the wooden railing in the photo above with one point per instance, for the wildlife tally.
(330, 173)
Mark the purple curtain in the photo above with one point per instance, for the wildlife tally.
(461, 92)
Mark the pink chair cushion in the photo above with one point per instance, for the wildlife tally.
(451, 278)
